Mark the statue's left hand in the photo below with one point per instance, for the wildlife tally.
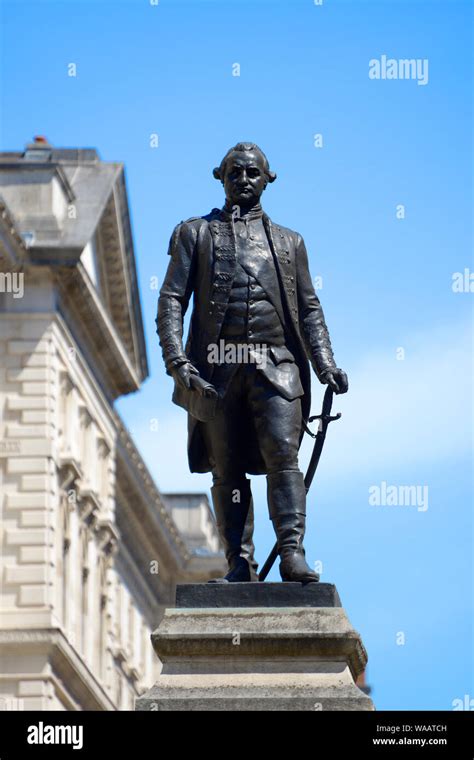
(337, 380)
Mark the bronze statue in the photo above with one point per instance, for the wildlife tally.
(244, 374)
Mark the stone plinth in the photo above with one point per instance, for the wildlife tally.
(257, 646)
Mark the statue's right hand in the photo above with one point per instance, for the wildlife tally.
(182, 374)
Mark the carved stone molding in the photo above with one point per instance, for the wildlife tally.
(108, 537)
(78, 681)
(89, 506)
(11, 241)
(69, 472)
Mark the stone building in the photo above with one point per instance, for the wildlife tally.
(91, 550)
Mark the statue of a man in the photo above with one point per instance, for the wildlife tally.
(256, 320)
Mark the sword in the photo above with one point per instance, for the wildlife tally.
(324, 419)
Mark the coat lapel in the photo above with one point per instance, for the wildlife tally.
(283, 256)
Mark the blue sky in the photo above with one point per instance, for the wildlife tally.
(387, 282)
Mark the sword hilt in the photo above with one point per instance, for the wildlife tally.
(324, 419)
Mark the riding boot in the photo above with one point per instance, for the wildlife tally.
(287, 506)
(235, 526)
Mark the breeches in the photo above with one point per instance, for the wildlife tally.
(252, 404)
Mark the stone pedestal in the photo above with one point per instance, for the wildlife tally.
(257, 646)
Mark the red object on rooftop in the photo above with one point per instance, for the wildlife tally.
(40, 139)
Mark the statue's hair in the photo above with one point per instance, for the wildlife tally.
(244, 147)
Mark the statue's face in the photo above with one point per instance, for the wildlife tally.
(244, 179)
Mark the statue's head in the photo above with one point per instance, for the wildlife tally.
(245, 172)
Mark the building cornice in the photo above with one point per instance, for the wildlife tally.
(11, 240)
(55, 168)
(96, 206)
(80, 304)
(67, 665)
(133, 334)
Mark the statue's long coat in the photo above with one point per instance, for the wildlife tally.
(203, 261)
